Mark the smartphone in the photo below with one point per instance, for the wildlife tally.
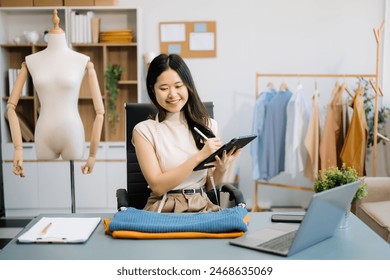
(286, 218)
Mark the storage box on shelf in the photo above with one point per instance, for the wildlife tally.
(106, 2)
(16, 3)
(79, 2)
(48, 3)
(49, 192)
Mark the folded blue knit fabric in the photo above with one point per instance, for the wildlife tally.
(227, 220)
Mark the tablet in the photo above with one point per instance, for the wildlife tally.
(238, 142)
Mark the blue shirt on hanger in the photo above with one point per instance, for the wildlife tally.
(257, 146)
(275, 122)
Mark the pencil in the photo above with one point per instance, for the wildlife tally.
(45, 229)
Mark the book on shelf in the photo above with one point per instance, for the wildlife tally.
(24, 88)
(88, 28)
(78, 28)
(27, 133)
(11, 80)
(95, 28)
(73, 27)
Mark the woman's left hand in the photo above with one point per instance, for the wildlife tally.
(223, 163)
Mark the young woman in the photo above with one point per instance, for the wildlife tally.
(168, 147)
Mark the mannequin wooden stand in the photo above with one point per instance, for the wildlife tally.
(72, 188)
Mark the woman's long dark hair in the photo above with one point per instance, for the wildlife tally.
(194, 110)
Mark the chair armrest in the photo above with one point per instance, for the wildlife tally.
(122, 198)
(234, 194)
(378, 189)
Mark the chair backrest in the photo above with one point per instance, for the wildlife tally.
(137, 187)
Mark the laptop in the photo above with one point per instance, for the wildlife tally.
(323, 216)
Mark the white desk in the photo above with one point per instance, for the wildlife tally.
(356, 242)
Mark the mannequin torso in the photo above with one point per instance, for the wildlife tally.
(57, 73)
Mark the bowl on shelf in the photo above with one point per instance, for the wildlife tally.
(31, 36)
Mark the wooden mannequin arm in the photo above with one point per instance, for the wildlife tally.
(16, 134)
(98, 123)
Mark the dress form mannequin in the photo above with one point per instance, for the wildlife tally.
(57, 73)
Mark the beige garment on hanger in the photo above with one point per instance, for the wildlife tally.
(312, 141)
(332, 139)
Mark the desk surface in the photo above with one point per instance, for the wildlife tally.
(355, 242)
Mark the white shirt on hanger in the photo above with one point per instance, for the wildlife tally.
(298, 116)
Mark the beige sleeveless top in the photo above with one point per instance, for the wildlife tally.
(174, 144)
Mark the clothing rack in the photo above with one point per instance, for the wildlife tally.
(374, 82)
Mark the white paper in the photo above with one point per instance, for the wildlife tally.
(202, 41)
(61, 230)
(173, 32)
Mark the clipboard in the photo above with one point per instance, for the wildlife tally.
(60, 230)
(238, 142)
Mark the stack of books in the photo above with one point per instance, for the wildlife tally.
(116, 36)
(81, 27)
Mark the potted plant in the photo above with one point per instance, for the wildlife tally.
(112, 76)
(334, 177)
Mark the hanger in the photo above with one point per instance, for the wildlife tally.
(349, 93)
(299, 86)
(359, 90)
(283, 86)
(270, 85)
(316, 94)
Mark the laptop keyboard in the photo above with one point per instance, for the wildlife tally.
(279, 244)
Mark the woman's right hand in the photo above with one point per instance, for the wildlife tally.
(210, 146)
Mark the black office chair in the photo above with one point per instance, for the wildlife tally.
(137, 191)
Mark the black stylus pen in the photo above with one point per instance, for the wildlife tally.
(201, 133)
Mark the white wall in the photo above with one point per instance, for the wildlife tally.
(301, 36)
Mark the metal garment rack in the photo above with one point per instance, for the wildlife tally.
(374, 82)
